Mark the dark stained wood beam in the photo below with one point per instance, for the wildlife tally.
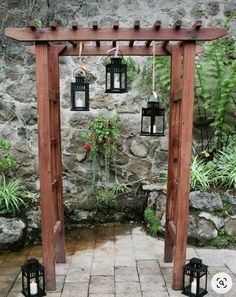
(197, 25)
(53, 25)
(172, 230)
(136, 27)
(177, 25)
(109, 34)
(156, 26)
(32, 25)
(137, 50)
(95, 27)
(74, 24)
(115, 26)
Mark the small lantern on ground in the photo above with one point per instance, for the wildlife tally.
(79, 91)
(116, 76)
(153, 119)
(33, 281)
(195, 278)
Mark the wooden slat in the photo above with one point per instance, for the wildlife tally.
(176, 142)
(53, 95)
(74, 24)
(115, 25)
(108, 34)
(197, 25)
(157, 25)
(53, 25)
(172, 230)
(32, 25)
(54, 184)
(55, 85)
(126, 51)
(45, 158)
(173, 151)
(95, 27)
(185, 153)
(177, 25)
(136, 27)
(53, 141)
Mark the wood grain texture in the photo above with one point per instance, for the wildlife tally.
(173, 152)
(185, 154)
(110, 34)
(45, 161)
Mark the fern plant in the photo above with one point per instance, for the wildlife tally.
(11, 195)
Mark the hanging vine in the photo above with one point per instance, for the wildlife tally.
(101, 141)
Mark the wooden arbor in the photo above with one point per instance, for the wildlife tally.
(180, 128)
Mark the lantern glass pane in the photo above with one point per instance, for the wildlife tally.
(116, 80)
(146, 124)
(80, 99)
(122, 80)
(108, 82)
(158, 125)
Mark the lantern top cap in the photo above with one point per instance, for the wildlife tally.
(196, 261)
(32, 265)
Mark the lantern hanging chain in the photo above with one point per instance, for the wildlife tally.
(153, 70)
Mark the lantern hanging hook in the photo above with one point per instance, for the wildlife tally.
(81, 69)
(116, 49)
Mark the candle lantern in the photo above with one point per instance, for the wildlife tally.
(195, 278)
(33, 281)
(116, 76)
(79, 91)
(153, 119)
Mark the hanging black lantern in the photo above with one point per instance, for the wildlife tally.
(153, 119)
(116, 76)
(33, 281)
(195, 278)
(80, 91)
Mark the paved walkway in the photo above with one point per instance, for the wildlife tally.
(114, 261)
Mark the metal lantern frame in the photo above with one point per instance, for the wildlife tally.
(152, 111)
(80, 86)
(116, 75)
(32, 270)
(195, 270)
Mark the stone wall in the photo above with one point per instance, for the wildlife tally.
(137, 156)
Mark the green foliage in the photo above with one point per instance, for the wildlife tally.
(102, 136)
(225, 168)
(105, 199)
(133, 69)
(215, 87)
(153, 224)
(223, 240)
(201, 174)
(11, 195)
(7, 162)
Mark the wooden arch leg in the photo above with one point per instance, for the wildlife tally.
(47, 75)
(185, 153)
(173, 156)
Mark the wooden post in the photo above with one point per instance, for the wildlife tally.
(45, 162)
(185, 153)
(56, 149)
(173, 156)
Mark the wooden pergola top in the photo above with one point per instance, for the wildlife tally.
(136, 33)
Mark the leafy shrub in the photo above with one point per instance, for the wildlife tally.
(6, 159)
(153, 224)
(225, 168)
(11, 195)
(201, 175)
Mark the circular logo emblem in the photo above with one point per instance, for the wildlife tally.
(221, 283)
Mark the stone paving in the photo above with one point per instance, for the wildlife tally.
(113, 261)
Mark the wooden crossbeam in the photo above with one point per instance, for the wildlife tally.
(137, 50)
(197, 25)
(156, 26)
(109, 34)
(177, 25)
(53, 25)
(74, 25)
(95, 27)
(136, 27)
(32, 25)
